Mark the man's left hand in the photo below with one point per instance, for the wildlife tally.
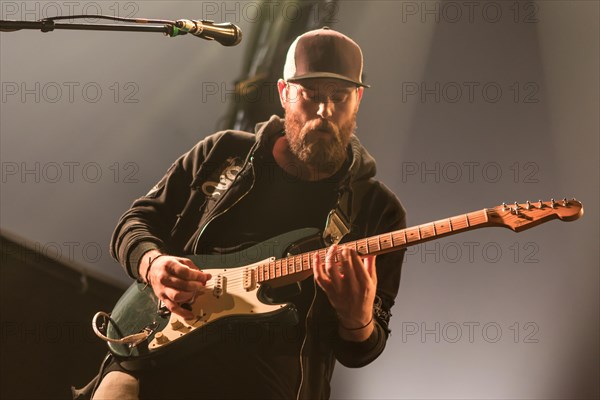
(350, 285)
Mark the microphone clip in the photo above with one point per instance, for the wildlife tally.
(225, 33)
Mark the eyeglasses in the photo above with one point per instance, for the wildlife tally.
(325, 94)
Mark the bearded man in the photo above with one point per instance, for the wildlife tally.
(236, 189)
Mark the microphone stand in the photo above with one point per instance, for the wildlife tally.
(48, 25)
(226, 33)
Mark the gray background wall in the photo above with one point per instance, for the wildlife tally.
(471, 104)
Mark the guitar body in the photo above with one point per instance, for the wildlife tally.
(232, 296)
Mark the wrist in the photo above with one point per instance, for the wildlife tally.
(355, 330)
(356, 333)
(144, 263)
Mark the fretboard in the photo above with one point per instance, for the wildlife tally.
(375, 245)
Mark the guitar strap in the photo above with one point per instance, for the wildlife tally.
(337, 225)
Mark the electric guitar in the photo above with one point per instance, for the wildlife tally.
(140, 331)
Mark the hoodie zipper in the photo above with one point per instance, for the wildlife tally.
(250, 161)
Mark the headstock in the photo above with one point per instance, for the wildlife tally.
(521, 216)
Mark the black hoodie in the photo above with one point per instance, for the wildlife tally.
(209, 180)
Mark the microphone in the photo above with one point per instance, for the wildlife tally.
(225, 33)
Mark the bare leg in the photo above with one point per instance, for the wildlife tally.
(118, 385)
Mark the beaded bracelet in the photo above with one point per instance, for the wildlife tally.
(359, 328)
(150, 262)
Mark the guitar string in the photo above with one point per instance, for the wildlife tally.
(236, 275)
(362, 243)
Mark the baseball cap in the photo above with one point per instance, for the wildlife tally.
(324, 53)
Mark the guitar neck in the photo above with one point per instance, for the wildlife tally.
(299, 265)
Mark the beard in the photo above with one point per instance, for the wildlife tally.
(319, 143)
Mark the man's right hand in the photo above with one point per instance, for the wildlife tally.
(174, 280)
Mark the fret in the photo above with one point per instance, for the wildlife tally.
(322, 255)
(457, 223)
(434, 231)
(442, 227)
(378, 243)
(278, 268)
(370, 245)
(426, 232)
(413, 235)
(363, 247)
(397, 240)
(419, 231)
(467, 220)
(387, 241)
(393, 240)
(405, 237)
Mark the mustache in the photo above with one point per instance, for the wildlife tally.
(322, 125)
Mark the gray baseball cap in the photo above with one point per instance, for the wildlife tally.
(324, 53)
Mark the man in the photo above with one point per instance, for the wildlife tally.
(236, 189)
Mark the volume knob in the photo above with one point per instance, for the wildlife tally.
(161, 338)
(176, 324)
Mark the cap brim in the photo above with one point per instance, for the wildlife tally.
(330, 75)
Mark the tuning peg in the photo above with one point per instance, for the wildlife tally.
(565, 202)
(528, 207)
(540, 204)
(504, 206)
(516, 209)
(552, 203)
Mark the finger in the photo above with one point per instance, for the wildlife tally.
(184, 272)
(177, 309)
(356, 273)
(190, 264)
(179, 296)
(171, 281)
(371, 267)
(321, 276)
(331, 266)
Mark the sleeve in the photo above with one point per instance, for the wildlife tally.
(383, 213)
(147, 224)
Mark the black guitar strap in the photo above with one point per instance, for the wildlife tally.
(338, 224)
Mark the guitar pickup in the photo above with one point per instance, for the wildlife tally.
(220, 286)
(249, 279)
